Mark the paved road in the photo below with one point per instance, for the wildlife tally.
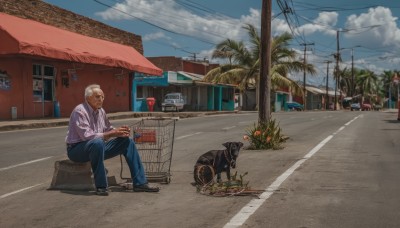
(338, 169)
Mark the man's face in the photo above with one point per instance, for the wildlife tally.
(96, 100)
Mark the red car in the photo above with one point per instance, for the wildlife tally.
(366, 107)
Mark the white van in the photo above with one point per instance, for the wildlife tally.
(173, 102)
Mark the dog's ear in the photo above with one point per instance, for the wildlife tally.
(227, 145)
(239, 144)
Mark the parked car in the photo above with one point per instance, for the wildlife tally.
(377, 107)
(173, 102)
(366, 107)
(295, 106)
(355, 106)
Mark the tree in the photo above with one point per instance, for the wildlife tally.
(243, 67)
(366, 84)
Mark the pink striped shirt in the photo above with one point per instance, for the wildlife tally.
(86, 124)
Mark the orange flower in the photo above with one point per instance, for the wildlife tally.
(257, 133)
(268, 139)
(245, 137)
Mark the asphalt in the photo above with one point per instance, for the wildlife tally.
(54, 122)
(20, 124)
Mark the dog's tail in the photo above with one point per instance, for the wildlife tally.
(203, 174)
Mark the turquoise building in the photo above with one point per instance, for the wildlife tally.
(199, 95)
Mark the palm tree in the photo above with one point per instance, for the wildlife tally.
(389, 88)
(243, 67)
(345, 81)
(366, 84)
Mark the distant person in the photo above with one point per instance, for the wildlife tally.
(91, 138)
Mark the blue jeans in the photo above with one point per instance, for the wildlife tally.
(96, 151)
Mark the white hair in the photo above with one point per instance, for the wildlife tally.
(89, 90)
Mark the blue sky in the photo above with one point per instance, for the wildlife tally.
(184, 28)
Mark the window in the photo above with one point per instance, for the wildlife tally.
(139, 92)
(43, 82)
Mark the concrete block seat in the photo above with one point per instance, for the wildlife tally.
(69, 175)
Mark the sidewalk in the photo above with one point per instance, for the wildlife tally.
(54, 122)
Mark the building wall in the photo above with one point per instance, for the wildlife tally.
(9, 98)
(172, 63)
(167, 63)
(20, 95)
(67, 20)
(116, 87)
(193, 67)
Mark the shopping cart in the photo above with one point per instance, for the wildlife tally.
(154, 138)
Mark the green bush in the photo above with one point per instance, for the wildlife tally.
(265, 135)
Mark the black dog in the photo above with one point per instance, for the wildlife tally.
(216, 161)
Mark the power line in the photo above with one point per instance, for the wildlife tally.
(159, 27)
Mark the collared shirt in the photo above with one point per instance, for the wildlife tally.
(86, 124)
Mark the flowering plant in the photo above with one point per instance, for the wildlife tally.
(265, 135)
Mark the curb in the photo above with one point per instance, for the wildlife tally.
(43, 123)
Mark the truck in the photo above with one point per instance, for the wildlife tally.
(173, 102)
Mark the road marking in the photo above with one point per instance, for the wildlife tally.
(227, 128)
(185, 136)
(26, 163)
(348, 123)
(31, 129)
(240, 218)
(18, 191)
(246, 122)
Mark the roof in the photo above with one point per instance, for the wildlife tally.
(192, 76)
(321, 91)
(28, 37)
(314, 90)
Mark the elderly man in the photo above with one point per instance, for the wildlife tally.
(91, 138)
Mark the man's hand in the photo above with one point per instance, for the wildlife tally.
(122, 131)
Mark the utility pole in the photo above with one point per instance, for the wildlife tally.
(326, 88)
(264, 111)
(304, 75)
(337, 68)
(352, 74)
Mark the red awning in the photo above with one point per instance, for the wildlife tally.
(22, 36)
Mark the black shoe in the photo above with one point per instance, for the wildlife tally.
(102, 192)
(145, 188)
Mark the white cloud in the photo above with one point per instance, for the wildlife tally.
(155, 36)
(169, 16)
(323, 23)
(376, 28)
(214, 28)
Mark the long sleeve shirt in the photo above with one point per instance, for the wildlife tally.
(86, 124)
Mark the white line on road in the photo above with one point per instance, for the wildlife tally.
(26, 163)
(227, 128)
(185, 136)
(348, 123)
(31, 129)
(240, 218)
(246, 122)
(21, 190)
